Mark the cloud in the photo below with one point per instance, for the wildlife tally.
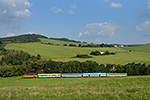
(115, 5)
(56, 10)
(146, 12)
(144, 28)
(73, 6)
(70, 12)
(80, 34)
(10, 34)
(148, 9)
(31, 32)
(101, 29)
(14, 11)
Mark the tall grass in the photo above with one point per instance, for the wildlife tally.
(133, 87)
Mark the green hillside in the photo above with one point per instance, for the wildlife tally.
(144, 48)
(26, 38)
(65, 53)
(55, 42)
(73, 43)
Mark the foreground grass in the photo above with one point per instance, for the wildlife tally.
(62, 53)
(132, 87)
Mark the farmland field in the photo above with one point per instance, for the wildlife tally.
(131, 87)
(55, 42)
(65, 53)
(144, 48)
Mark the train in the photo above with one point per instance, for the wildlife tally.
(58, 75)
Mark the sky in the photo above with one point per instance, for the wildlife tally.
(92, 21)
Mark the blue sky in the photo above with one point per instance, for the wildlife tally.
(96, 21)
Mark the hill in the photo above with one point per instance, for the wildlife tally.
(143, 48)
(72, 43)
(65, 39)
(59, 42)
(54, 49)
(65, 53)
(23, 38)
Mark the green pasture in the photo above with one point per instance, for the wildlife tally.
(144, 48)
(63, 53)
(61, 43)
(101, 88)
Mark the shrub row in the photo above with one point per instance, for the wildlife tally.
(50, 66)
(83, 56)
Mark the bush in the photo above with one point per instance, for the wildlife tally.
(83, 56)
(64, 44)
(72, 45)
(96, 53)
(107, 53)
(112, 53)
(8, 71)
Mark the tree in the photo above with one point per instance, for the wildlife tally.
(38, 57)
(107, 52)
(95, 53)
(65, 44)
(79, 45)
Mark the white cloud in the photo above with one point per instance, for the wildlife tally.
(146, 12)
(115, 5)
(144, 28)
(56, 10)
(4, 12)
(80, 34)
(148, 9)
(70, 12)
(31, 32)
(73, 6)
(14, 11)
(27, 4)
(101, 29)
(10, 34)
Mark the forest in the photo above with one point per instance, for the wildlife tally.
(23, 38)
(49, 66)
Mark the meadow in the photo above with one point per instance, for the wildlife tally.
(66, 53)
(143, 48)
(61, 43)
(131, 87)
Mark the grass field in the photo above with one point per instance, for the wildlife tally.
(61, 43)
(112, 88)
(62, 53)
(144, 48)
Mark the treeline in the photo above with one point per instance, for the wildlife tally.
(80, 45)
(17, 57)
(23, 38)
(90, 45)
(65, 39)
(2, 49)
(97, 45)
(49, 66)
(97, 53)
